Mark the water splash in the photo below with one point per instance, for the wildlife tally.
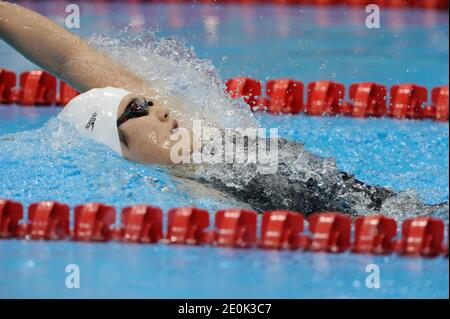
(175, 72)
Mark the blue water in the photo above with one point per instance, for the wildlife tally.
(306, 43)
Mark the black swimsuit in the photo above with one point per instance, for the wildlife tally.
(303, 182)
(306, 183)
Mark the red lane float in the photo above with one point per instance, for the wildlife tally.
(36, 88)
(11, 213)
(141, 224)
(235, 228)
(358, 2)
(187, 225)
(285, 96)
(407, 100)
(66, 93)
(422, 236)
(46, 220)
(395, 3)
(368, 98)
(281, 230)
(321, 2)
(325, 98)
(439, 97)
(262, 104)
(93, 221)
(346, 108)
(428, 112)
(331, 232)
(374, 235)
(7, 83)
(431, 4)
(247, 88)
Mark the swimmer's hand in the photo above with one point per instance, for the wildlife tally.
(63, 53)
(36, 37)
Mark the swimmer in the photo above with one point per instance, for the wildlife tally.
(123, 111)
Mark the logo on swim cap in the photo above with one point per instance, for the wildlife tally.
(97, 107)
(91, 122)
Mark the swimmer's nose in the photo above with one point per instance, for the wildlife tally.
(162, 113)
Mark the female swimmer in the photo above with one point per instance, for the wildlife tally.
(123, 111)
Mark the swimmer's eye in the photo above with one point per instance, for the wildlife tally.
(136, 108)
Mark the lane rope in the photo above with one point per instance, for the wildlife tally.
(400, 4)
(331, 232)
(282, 96)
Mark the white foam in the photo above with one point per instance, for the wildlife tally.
(175, 72)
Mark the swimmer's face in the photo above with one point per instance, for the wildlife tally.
(146, 138)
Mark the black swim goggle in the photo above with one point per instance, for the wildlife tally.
(136, 108)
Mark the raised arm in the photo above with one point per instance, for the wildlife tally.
(63, 53)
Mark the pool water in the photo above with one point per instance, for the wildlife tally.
(305, 43)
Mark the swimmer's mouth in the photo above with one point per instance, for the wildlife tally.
(174, 127)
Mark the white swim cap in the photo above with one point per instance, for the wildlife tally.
(94, 115)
